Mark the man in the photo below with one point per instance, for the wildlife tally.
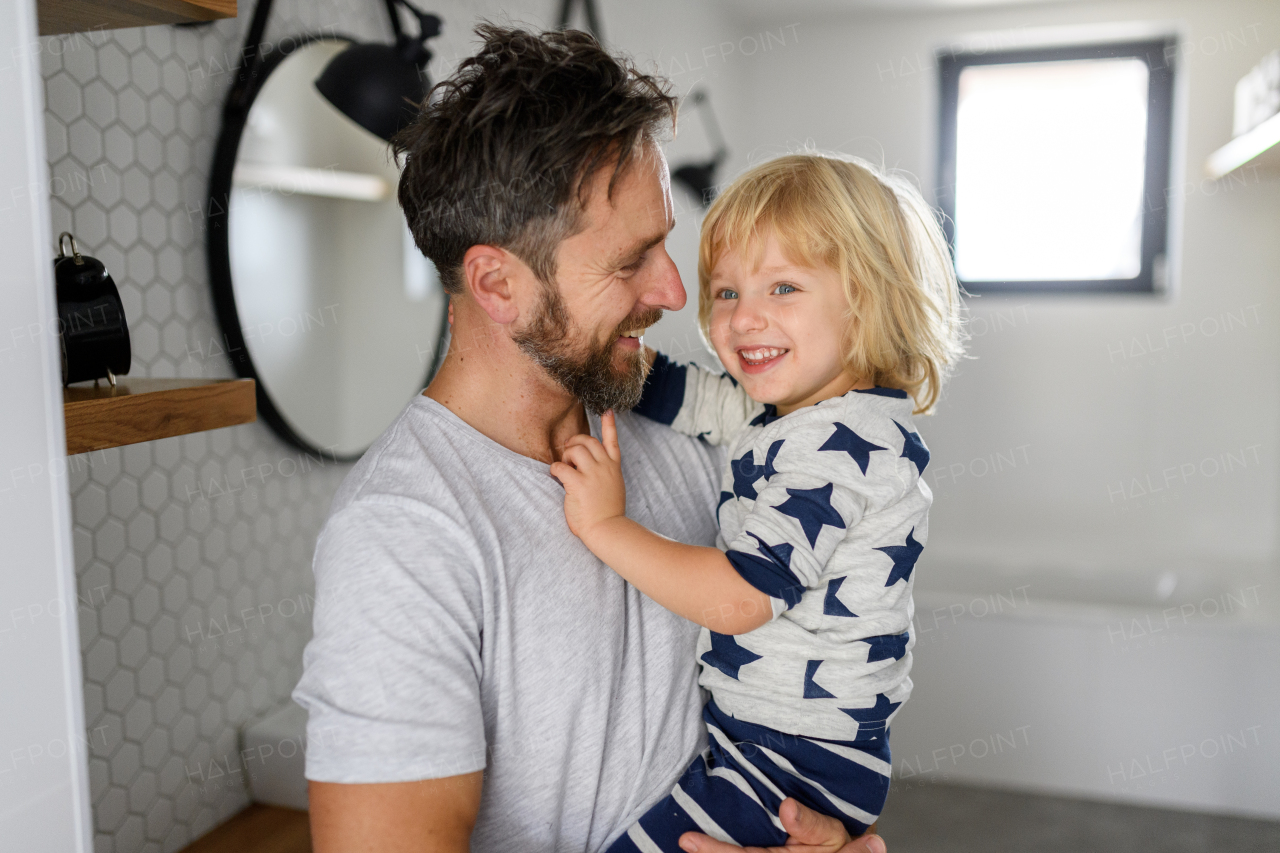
(477, 679)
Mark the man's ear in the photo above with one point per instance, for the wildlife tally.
(487, 272)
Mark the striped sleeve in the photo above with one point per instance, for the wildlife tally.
(696, 401)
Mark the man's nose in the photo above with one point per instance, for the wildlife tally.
(663, 288)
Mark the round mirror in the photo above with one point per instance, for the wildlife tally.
(322, 296)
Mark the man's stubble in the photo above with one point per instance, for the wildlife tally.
(586, 370)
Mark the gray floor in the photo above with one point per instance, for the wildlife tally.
(931, 818)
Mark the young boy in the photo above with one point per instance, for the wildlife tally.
(827, 291)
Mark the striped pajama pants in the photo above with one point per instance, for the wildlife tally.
(733, 789)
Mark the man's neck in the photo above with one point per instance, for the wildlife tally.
(496, 389)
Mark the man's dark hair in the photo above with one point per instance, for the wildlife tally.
(503, 151)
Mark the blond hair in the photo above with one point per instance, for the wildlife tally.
(903, 327)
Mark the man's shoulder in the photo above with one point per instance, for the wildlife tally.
(411, 469)
(659, 441)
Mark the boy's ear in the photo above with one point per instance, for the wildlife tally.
(487, 272)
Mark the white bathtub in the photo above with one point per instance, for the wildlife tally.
(1159, 688)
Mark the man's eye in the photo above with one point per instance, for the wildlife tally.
(632, 267)
(728, 294)
(784, 289)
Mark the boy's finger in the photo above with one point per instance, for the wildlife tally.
(609, 430)
(577, 456)
(591, 446)
(570, 479)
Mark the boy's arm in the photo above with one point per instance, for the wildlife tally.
(818, 489)
(692, 581)
(695, 582)
(695, 401)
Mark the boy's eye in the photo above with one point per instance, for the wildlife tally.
(728, 294)
(784, 289)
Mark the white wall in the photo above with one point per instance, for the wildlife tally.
(44, 802)
(1065, 386)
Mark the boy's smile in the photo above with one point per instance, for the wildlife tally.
(779, 328)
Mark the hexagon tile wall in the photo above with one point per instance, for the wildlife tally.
(193, 553)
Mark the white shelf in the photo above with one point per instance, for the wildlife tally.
(330, 183)
(1259, 147)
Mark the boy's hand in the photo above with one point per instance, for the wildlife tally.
(591, 473)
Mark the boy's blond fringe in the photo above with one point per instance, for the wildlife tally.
(904, 327)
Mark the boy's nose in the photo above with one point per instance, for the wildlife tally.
(746, 318)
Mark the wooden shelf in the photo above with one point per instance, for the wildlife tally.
(145, 409)
(77, 16)
(258, 829)
(1259, 147)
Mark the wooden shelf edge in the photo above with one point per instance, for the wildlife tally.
(143, 409)
(57, 17)
(1261, 143)
(258, 829)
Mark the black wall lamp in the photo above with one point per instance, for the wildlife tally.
(380, 86)
(700, 178)
(588, 11)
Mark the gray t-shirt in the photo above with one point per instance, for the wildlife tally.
(459, 625)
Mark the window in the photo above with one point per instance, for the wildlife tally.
(1054, 166)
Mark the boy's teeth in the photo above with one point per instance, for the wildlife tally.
(762, 354)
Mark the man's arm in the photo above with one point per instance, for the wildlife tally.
(391, 682)
(427, 816)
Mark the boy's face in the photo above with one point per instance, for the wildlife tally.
(779, 329)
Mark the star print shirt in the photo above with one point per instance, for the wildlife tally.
(825, 511)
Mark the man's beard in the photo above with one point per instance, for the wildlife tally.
(590, 376)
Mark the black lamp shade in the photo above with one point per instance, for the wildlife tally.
(699, 179)
(374, 86)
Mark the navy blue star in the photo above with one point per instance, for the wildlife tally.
(871, 721)
(848, 441)
(881, 391)
(725, 497)
(811, 689)
(913, 448)
(812, 508)
(745, 473)
(772, 454)
(904, 559)
(727, 656)
(832, 606)
(768, 416)
(780, 553)
(887, 646)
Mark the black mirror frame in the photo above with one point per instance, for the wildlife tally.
(235, 115)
